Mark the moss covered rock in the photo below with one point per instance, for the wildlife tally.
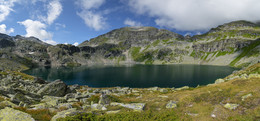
(53, 101)
(231, 106)
(9, 114)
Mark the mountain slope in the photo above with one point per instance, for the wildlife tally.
(219, 46)
(235, 43)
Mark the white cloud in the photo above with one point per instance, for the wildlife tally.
(4, 30)
(130, 22)
(76, 44)
(92, 18)
(34, 1)
(54, 10)
(37, 29)
(52, 42)
(58, 26)
(187, 34)
(195, 15)
(198, 33)
(6, 8)
(95, 21)
(90, 4)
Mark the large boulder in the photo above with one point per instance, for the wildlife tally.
(218, 81)
(57, 88)
(53, 101)
(65, 113)
(134, 106)
(182, 88)
(9, 114)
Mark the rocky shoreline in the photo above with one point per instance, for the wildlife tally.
(27, 93)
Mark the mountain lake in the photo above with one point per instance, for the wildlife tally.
(134, 76)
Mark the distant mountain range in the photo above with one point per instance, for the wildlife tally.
(236, 44)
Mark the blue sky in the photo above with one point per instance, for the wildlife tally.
(74, 21)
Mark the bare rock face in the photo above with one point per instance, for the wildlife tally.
(57, 88)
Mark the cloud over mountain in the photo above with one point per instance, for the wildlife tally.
(192, 15)
(91, 18)
(130, 22)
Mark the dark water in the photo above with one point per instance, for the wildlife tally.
(136, 75)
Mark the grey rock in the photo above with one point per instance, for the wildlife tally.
(244, 76)
(254, 76)
(8, 104)
(9, 114)
(40, 106)
(56, 88)
(163, 90)
(135, 106)
(182, 88)
(98, 107)
(53, 101)
(72, 88)
(246, 96)
(65, 113)
(231, 106)
(39, 80)
(106, 92)
(154, 88)
(70, 95)
(171, 104)
(103, 100)
(66, 105)
(19, 97)
(84, 100)
(85, 95)
(218, 81)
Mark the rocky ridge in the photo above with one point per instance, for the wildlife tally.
(235, 44)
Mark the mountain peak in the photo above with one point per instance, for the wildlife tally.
(138, 28)
(234, 25)
(132, 35)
